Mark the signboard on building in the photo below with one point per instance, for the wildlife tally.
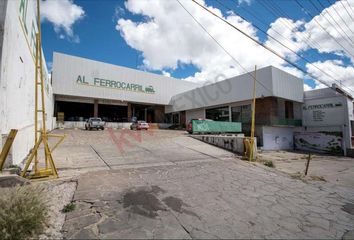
(119, 85)
(323, 112)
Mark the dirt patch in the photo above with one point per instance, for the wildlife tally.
(143, 202)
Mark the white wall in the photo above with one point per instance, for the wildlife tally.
(326, 109)
(17, 77)
(270, 82)
(278, 138)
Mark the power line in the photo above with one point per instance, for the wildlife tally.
(261, 21)
(261, 44)
(316, 45)
(273, 12)
(340, 16)
(334, 8)
(217, 42)
(303, 58)
(329, 14)
(341, 2)
(323, 28)
(257, 18)
(350, 6)
(303, 38)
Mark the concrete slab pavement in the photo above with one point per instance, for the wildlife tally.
(165, 184)
(219, 199)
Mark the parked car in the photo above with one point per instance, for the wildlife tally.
(139, 125)
(94, 123)
(190, 124)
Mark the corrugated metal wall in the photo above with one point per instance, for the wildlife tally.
(66, 70)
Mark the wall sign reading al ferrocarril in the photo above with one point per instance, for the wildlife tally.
(120, 85)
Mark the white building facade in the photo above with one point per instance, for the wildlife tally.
(18, 27)
(328, 116)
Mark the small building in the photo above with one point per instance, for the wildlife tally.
(279, 98)
(328, 121)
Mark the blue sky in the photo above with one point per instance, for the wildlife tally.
(100, 40)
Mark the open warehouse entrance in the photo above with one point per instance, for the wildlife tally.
(74, 111)
(113, 113)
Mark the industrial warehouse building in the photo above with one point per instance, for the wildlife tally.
(84, 88)
(81, 88)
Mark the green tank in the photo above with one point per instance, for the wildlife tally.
(208, 126)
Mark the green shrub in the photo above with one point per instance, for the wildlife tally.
(269, 163)
(68, 208)
(23, 212)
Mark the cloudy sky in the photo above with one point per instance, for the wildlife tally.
(179, 38)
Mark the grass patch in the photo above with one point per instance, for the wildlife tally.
(269, 163)
(318, 178)
(68, 208)
(14, 169)
(297, 175)
(23, 212)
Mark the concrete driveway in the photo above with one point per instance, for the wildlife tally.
(163, 184)
(115, 149)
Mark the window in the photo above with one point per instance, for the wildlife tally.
(236, 114)
(175, 118)
(241, 113)
(218, 114)
(289, 110)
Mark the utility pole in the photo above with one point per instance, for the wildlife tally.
(252, 142)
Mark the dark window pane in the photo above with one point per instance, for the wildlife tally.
(218, 114)
(241, 113)
(289, 110)
(246, 113)
(236, 114)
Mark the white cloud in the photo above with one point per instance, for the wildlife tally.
(62, 14)
(335, 68)
(317, 86)
(169, 38)
(167, 74)
(287, 32)
(307, 87)
(318, 37)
